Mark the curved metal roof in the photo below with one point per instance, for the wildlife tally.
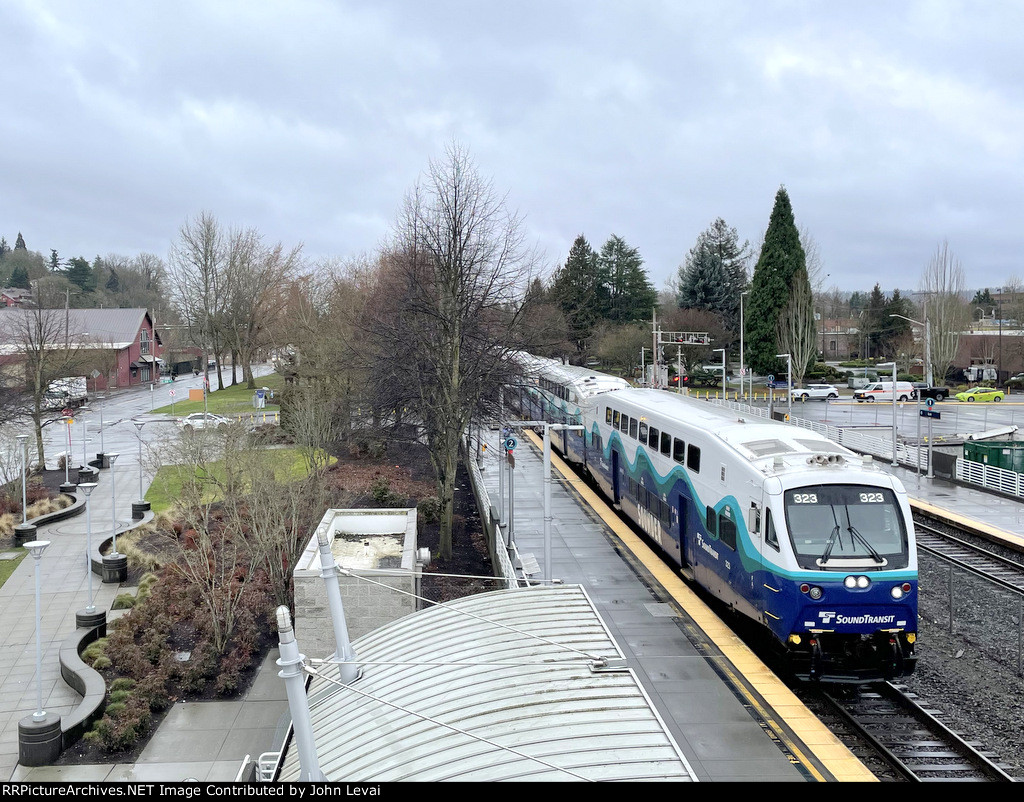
(503, 686)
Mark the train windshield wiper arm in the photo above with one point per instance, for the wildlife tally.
(831, 542)
(866, 544)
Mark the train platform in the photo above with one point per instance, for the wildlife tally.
(997, 516)
(730, 716)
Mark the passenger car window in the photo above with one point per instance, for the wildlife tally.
(693, 458)
(678, 450)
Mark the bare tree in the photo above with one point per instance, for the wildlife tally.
(449, 305)
(798, 335)
(197, 282)
(255, 283)
(947, 311)
(46, 341)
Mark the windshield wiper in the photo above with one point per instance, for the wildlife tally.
(831, 542)
(864, 542)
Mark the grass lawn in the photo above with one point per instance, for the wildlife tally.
(231, 401)
(166, 485)
(7, 567)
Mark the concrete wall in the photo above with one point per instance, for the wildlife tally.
(367, 606)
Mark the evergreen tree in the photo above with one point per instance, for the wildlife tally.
(80, 273)
(54, 261)
(715, 273)
(876, 323)
(702, 281)
(578, 291)
(19, 243)
(19, 278)
(113, 283)
(983, 298)
(781, 257)
(631, 296)
(4, 248)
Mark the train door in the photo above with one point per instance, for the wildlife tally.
(765, 586)
(685, 536)
(615, 475)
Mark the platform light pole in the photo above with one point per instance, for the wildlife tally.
(113, 509)
(885, 365)
(789, 382)
(742, 368)
(36, 549)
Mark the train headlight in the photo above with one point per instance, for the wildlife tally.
(850, 582)
(815, 593)
(863, 582)
(896, 592)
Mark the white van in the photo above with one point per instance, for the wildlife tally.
(882, 391)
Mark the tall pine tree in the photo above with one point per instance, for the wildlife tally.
(577, 289)
(715, 273)
(781, 257)
(631, 296)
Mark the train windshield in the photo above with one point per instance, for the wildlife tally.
(844, 527)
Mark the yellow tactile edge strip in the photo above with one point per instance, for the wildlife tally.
(979, 526)
(828, 749)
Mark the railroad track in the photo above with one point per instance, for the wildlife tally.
(970, 556)
(909, 737)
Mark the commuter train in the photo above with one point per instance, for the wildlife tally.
(789, 529)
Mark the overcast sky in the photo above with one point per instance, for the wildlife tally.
(893, 126)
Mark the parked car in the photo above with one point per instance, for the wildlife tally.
(203, 420)
(981, 394)
(825, 391)
(883, 391)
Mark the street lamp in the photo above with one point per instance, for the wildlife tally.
(23, 440)
(113, 510)
(67, 457)
(87, 488)
(36, 549)
(723, 369)
(138, 433)
(885, 365)
(742, 369)
(927, 346)
(789, 382)
(139, 507)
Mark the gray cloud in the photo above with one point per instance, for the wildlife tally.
(893, 126)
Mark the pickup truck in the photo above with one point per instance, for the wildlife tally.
(938, 393)
(66, 393)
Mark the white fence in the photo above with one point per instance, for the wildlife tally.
(1009, 482)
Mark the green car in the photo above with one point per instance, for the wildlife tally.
(980, 394)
